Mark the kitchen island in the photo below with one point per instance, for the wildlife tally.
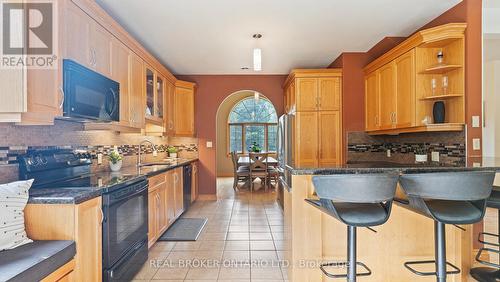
(313, 237)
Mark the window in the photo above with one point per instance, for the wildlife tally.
(253, 121)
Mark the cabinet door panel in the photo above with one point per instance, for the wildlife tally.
(306, 139)
(119, 72)
(152, 214)
(100, 49)
(170, 197)
(329, 94)
(387, 86)
(179, 193)
(329, 138)
(372, 117)
(184, 111)
(162, 209)
(307, 94)
(77, 34)
(405, 68)
(136, 88)
(169, 108)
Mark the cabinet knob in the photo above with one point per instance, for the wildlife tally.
(61, 91)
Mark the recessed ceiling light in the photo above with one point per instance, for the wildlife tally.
(244, 68)
(257, 36)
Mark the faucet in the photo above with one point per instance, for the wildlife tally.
(139, 161)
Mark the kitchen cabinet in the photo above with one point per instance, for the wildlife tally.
(318, 116)
(81, 223)
(184, 108)
(329, 138)
(89, 36)
(405, 90)
(169, 108)
(120, 56)
(157, 207)
(136, 88)
(387, 84)
(372, 100)
(178, 191)
(399, 85)
(321, 94)
(306, 139)
(194, 182)
(165, 202)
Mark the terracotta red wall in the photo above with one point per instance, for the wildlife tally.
(211, 91)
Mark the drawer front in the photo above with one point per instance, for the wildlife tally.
(157, 180)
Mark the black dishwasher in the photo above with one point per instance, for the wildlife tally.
(187, 173)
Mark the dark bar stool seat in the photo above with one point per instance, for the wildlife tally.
(357, 200)
(447, 198)
(489, 274)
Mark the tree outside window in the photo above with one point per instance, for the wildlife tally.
(252, 121)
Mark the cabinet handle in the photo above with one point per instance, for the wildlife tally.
(94, 56)
(61, 91)
(91, 57)
(376, 120)
(102, 215)
(319, 102)
(170, 125)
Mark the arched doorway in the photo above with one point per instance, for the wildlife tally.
(243, 118)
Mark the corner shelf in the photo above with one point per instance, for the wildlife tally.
(441, 97)
(440, 69)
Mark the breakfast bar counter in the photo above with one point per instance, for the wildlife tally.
(312, 237)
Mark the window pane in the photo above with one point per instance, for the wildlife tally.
(254, 134)
(272, 131)
(235, 138)
(250, 110)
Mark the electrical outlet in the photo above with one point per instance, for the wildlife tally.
(99, 158)
(209, 144)
(388, 153)
(435, 156)
(476, 144)
(475, 121)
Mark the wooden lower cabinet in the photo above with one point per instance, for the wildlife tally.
(165, 204)
(81, 223)
(194, 182)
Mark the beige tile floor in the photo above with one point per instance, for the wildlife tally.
(242, 242)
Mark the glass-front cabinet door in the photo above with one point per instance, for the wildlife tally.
(150, 93)
(160, 97)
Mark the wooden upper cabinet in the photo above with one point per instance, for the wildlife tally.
(307, 94)
(100, 49)
(120, 73)
(405, 90)
(372, 116)
(169, 108)
(329, 130)
(77, 26)
(184, 108)
(387, 87)
(329, 94)
(306, 139)
(136, 88)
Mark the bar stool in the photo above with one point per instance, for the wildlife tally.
(488, 274)
(357, 200)
(447, 198)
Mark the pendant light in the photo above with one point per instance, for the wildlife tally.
(257, 54)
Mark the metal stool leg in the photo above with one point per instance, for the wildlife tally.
(351, 253)
(440, 250)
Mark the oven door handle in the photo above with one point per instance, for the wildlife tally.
(128, 196)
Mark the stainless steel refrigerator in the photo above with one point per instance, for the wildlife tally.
(286, 156)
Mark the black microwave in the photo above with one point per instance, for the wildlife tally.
(89, 95)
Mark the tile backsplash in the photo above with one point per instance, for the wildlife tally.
(16, 140)
(364, 147)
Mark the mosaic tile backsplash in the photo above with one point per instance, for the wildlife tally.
(363, 147)
(17, 140)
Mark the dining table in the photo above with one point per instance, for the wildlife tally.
(245, 161)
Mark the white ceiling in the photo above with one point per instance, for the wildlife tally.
(215, 37)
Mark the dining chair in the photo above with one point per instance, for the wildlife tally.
(273, 174)
(258, 168)
(240, 173)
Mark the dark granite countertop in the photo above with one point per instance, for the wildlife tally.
(377, 167)
(98, 183)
